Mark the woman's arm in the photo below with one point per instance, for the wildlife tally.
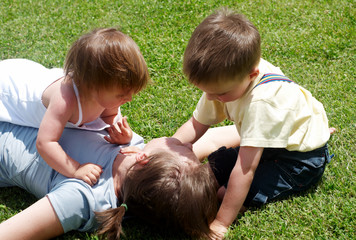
(215, 138)
(39, 221)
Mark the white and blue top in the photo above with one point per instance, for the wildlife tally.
(22, 83)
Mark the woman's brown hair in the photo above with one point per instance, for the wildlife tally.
(106, 58)
(167, 194)
(224, 46)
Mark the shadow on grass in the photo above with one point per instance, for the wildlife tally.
(137, 229)
(15, 199)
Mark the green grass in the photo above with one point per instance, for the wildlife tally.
(312, 41)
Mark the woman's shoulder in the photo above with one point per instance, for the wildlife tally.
(75, 203)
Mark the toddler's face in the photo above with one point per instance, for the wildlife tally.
(226, 91)
(114, 97)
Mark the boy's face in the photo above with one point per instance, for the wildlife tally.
(227, 91)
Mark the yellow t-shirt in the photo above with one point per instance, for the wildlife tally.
(272, 115)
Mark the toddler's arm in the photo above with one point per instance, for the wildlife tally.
(51, 128)
(119, 133)
(109, 115)
(239, 184)
(191, 131)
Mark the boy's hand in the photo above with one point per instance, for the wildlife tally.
(218, 230)
(119, 133)
(89, 173)
(130, 150)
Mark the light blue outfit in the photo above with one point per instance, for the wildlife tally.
(22, 83)
(73, 200)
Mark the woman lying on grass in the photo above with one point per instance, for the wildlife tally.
(164, 184)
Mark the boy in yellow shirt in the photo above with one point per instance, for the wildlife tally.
(283, 129)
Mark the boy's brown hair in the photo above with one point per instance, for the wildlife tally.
(224, 46)
(106, 58)
(166, 194)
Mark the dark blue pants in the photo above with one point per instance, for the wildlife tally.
(279, 174)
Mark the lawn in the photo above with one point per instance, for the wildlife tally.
(313, 42)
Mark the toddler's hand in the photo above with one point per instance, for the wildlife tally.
(89, 173)
(217, 230)
(130, 150)
(119, 133)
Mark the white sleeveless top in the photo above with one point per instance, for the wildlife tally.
(22, 83)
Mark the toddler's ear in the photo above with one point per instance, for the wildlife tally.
(141, 158)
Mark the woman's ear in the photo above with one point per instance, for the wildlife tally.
(142, 158)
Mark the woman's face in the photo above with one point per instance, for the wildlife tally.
(173, 146)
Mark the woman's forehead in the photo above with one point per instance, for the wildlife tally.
(163, 142)
(173, 146)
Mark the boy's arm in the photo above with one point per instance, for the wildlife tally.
(50, 131)
(191, 131)
(239, 184)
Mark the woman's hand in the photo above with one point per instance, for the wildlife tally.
(119, 133)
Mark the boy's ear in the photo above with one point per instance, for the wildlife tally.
(254, 73)
(142, 158)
